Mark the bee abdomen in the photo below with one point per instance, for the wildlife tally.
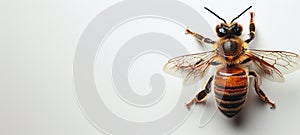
(231, 86)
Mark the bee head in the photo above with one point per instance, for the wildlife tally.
(233, 29)
(228, 29)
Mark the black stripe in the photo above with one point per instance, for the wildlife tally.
(230, 92)
(232, 97)
(231, 88)
(231, 104)
(230, 113)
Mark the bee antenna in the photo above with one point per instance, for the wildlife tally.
(215, 14)
(241, 14)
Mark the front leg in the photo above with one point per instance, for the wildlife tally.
(200, 97)
(199, 37)
(251, 29)
(260, 93)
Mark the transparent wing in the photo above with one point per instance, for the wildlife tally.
(191, 67)
(273, 64)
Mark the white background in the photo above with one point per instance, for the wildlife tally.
(38, 39)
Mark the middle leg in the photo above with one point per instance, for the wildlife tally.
(200, 97)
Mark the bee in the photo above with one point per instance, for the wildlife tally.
(235, 63)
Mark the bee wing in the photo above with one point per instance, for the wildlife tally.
(273, 64)
(191, 67)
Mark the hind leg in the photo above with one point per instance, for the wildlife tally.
(200, 97)
(259, 91)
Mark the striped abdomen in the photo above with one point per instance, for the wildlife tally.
(231, 86)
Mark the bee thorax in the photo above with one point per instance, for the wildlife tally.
(230, 48)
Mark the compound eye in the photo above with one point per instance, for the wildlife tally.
(237, 30)
(221, 30)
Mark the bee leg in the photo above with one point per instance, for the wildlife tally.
(260, 93)
(200, 97)
(251, 29)
(199, 37)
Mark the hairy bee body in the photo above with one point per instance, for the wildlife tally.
(233, 58)
(230, 86)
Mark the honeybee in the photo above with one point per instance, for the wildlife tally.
(234, 63)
